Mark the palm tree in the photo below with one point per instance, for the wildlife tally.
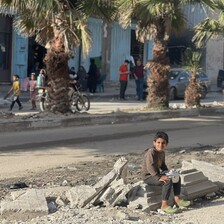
(210, 27)
(156, 20)
(60, 26)
(194, 90)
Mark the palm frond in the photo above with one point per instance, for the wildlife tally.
(192, 60)
(103, 9)
(41, 18)
(220, 7)
(150, 16)
(205, 30)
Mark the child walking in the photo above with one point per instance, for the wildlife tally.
(153, 169)
(33, 91)
(16, 92)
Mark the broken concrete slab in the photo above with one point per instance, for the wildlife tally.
(147, 197)
(28, 204)
(109, 194)
(133, 192)
(97, 189)
(121, 196)
(213, 172)
(194, 184)
(79, 195)
(193, 177)
(198, 190)
(116, 173)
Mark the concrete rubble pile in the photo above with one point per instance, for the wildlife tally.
(112, 190)
(213, 172)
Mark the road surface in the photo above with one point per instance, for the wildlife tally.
(42, 149)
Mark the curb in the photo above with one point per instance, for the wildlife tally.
(113, 118)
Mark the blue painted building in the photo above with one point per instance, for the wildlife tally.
(16, 53)
(15, 50)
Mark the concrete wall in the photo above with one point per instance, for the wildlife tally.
(214, 58)
(95, 27)
(120, 49)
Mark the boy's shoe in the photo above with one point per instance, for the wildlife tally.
(21, 107)
(183, 203)
(170, 210)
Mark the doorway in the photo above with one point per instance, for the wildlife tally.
(36, 54)
(5, 48)
(137, 48)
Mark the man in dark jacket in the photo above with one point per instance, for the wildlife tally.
(92, 76)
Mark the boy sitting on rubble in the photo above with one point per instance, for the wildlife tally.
(153, 172)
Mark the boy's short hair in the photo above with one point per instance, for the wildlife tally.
(163, 135)
(16, 76)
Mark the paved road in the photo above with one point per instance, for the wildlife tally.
(38, 150)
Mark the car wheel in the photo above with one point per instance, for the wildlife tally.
(203, 92)
(173, 93)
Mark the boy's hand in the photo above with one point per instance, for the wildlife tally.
(164, 179)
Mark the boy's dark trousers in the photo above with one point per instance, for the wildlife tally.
(17, 101)
(123, 87)
(166, 187)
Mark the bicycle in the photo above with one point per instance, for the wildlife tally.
(78, 101)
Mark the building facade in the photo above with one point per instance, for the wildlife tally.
(111, 44)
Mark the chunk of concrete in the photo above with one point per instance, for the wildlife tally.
(198, 190)
(28, 204)
(79, 195)
(100, 186)
(186, 165)
(195, 184)
(120, 197)
(213, 172)
(193, 178)
(116, 173)
(109, 194)
(133, 192)
(147, 197)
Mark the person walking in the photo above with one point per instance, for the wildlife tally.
(124, 72)
(139, 74)
(16, 93)
(33, 91)
(154, 171)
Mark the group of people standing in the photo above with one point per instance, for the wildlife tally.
(138, 73)
(33, 84)
(86, 80)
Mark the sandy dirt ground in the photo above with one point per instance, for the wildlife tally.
(89, 170)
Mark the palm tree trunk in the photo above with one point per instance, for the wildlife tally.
(158, 81)
(192, 93)
(57, 70)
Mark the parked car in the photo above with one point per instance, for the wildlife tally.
(220, 79)
(179, 80)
